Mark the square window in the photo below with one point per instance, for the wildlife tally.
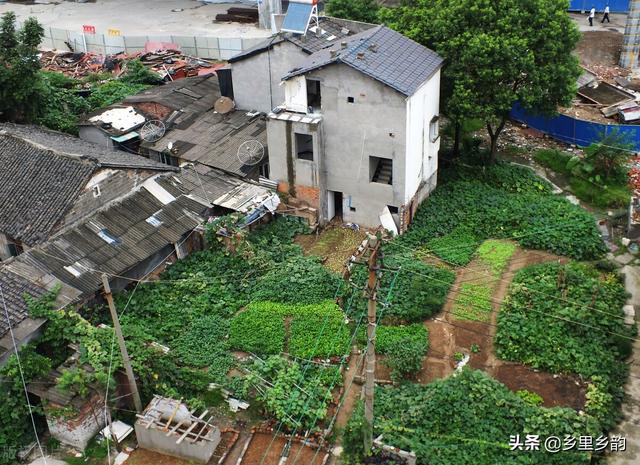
(380, 170)
(434, 130)
(350, 100)
(304, 146)
(352, 209)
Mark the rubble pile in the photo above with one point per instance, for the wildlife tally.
(634, 185)
(169, 64)
(608, 73)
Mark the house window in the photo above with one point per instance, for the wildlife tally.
(96, 190)
(168, 159)
(380, 170)
(304, 146)
(109, 238)
(264, 170)
(350, 100)
(392, 209)
(314, 98)
(15, 249)
(434, 129)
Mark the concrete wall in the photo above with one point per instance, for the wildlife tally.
(256, 80)
(373, 125)
(157, 440)
(422, 152)
(96, 135)
(78, 430)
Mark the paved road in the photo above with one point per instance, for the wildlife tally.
(139, 17)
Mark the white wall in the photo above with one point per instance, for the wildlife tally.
(295, 94)
(422, 154)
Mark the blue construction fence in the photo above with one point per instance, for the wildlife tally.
(575, 131)
(616, 6)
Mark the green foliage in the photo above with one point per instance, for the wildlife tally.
(517, 206)
(307, 281)
(138, 73)
(473, 302)
(315, 330)
(290, 393)
(404, 358)
(62, 105)
(497, 53)
(607, 159)
(15, 423)
(204, 344)
(468, 419)
(112, 92)
(592, 189)
(352, 439)
(457, 247)
(355, 10)
(529, 397)
(75, 380)
(20, 82)
(496, 255)
(568, 319)
(387, 336)
(259, 329)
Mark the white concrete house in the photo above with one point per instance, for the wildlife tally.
(357, 134)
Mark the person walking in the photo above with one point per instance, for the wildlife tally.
(606, 14)
(592, 14)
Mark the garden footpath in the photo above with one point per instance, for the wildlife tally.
(629, 427)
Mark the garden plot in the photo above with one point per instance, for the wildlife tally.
(264, 450)
(334, 245)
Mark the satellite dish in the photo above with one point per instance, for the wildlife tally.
(152, 131)
(224, 105)
(170, 145)
(250, 152)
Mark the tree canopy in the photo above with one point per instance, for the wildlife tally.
(497, 53)
(20, 81)
(356, 10)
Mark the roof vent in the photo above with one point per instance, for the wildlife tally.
(360, 55)
(343, 45)
(345, 31)
(373, 47)
(334, 53)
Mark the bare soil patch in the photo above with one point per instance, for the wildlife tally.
(260, 445)
(334, 245)
(147, 457)
(556, 390)
(599, 48)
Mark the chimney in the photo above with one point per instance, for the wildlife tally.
(360, 55)
(343, 45)
(334, 53)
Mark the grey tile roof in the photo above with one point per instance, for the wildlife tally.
(73, 146)
(37, 187)
(331, 30)
(14, 287)
(382, 54)
(213, 140)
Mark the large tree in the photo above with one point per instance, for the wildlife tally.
(20, 80)
(356, 10)
(497, 53)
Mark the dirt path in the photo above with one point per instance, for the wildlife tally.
(352, 395)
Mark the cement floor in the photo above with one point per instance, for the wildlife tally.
(617, 22)
(138, 17)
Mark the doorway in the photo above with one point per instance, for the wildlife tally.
(334, 205)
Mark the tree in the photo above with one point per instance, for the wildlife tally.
(608, 158)
(138, 73)
(496, 53)
(20, 81)
(356, 10)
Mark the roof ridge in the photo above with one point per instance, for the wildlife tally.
(69, 155)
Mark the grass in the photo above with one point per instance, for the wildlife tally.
(612, 195)
(473, 301)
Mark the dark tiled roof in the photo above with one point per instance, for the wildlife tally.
(14, 288)
(73, 146)
(191, 96)
(384, 55)
(213, 140)
(37, 187)
(331, 31)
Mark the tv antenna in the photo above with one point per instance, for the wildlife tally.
(250, 152)
(152, 130)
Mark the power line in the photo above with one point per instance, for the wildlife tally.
(24, 384)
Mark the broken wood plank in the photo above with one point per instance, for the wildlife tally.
(193, 425)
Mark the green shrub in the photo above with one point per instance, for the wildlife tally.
(300, 280)
(468, 419)
(564, 319)
(517, 206)
(259, 329)
(553, 159)
(387, 336)
(456, 248)
(404, 358)
(530, 397)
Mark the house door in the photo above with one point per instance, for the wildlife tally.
(334, 204)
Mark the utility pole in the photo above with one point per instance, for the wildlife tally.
(123, 348)
(372, 288)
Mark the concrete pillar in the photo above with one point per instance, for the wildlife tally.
(631, 43)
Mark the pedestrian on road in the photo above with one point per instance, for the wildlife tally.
(592, 14)
(606, 14)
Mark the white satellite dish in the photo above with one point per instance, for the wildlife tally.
(250, 152)
(152, 130)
